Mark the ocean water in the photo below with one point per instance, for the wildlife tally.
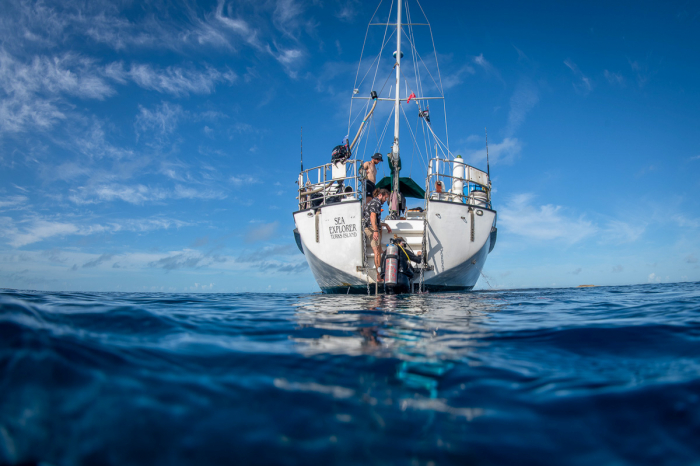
(606, 375)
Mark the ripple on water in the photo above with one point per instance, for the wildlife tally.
(542, 376)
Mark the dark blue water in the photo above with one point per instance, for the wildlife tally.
(545, 376)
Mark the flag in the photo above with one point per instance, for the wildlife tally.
(413, 95)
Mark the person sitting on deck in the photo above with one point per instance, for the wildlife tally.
(371, 174)
(371, 222)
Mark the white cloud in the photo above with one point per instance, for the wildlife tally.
(286, 16)
(450, 80)
(487, 67)
(11, 202)
(163, 119)
(261, 232)
(94, 145)
(614, 78)
(175, 80)
(32, 93)
(583, 85)
(35, 229)
(240, 180)
(504, 152)
(618, 231)
(138, 194)
(524, 99)
(238, 26)
(543, 222)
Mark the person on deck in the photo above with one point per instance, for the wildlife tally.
(371, 221)
(371, 174)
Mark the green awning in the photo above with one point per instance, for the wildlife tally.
(407, 187)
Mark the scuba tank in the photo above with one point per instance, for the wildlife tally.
(391, 266)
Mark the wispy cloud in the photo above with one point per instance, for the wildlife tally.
(347, 11)
(241, 180)
(12, 202)
(32, 92)
(173, 80)
(261, 232)
(524, 99)
(618, 231)
(455, 78)
(35, 229)
(642, 72)
(163, 119)
(238, 25)
(521, 216)
(267, 252)
(98, 261)
(187, 259)
(504, 153)
(583, 83)
(273, 259)
(487, 67)
(614, 78)
(138, 194)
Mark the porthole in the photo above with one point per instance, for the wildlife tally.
(479, 213)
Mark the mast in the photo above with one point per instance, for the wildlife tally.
(395, 200)
(397, 100)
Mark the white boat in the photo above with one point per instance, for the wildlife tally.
(453, 228)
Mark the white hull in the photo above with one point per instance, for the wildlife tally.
(331, 238)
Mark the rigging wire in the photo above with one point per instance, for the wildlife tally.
(414, 137)
(369, 68)
(442, 90)
(360, 62)
(391, 8)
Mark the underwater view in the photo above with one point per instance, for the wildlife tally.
(604, 375)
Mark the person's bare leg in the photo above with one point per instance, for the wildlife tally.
(377, 259)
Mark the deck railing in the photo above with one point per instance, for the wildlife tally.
(327, 184)
(473, 188)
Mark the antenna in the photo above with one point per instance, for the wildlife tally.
(488, 169)
(301, 144)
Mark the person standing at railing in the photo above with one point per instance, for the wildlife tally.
(371, 175)
(371, 222)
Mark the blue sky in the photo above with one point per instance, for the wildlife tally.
(154, 146)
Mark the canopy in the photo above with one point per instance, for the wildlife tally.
(407, 187)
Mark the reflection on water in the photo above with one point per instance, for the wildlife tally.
(409, 327)
(425, 335)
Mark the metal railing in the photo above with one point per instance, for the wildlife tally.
(474, 180)
(327, 184)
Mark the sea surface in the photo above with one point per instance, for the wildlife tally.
(591, 376)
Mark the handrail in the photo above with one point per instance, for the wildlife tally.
(472, 177)
(323, 184)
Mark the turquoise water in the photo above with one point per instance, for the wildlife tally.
(606, 375)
